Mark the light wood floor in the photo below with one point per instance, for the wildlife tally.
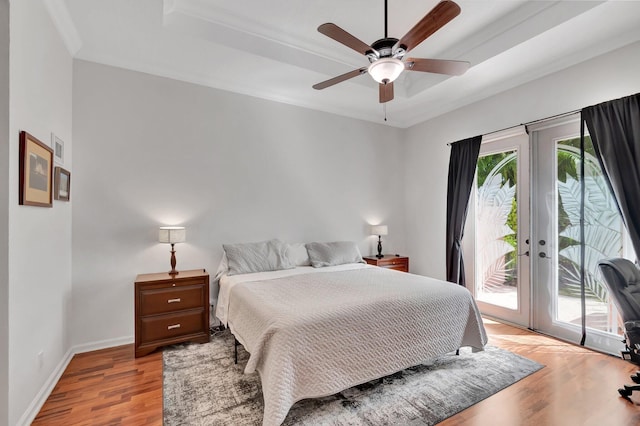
(577, 387)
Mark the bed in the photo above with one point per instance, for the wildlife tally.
(312, 332)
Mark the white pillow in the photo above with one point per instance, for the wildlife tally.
(257, 257)
(334, 253)
(223, 266)
(298, 255)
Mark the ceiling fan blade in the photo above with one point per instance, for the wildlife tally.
(437, 66)
(340, 78)
(444, 12)
(341, 36)
(386, 92)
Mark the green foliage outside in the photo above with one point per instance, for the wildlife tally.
(567, 168)
(509, 173)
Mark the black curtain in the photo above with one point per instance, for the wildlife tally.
(462, 169)
(614, 127)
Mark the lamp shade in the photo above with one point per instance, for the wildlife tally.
(172, 234)
(385, 70)
(379, 230)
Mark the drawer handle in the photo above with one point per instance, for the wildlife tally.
(174, 300)
(174, 326)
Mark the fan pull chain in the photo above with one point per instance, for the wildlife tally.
(384, 109)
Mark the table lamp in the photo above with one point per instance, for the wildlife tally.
(172, 235)
(379, 230)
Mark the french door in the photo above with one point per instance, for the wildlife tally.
(498, 227)
(525, 235)
(556, 253)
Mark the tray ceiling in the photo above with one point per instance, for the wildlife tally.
(271, 49)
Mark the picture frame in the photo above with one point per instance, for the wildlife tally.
(61, 184)
(57, 145)
(36, 172)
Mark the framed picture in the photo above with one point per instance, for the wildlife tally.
(36, 172)
(58, 148)
(61, 184)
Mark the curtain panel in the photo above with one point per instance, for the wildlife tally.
(462, 169)
(614, 127)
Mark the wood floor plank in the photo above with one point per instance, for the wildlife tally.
(107, 387)
(576, 387)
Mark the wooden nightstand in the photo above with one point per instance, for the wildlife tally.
(171, 309)
(389, 261)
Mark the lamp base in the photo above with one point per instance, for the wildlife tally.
(173, 262)
(379, 255)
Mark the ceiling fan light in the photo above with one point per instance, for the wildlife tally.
(386, 70)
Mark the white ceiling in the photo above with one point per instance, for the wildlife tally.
(271, 49)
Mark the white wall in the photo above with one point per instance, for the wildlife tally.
(4, 211)
(152, 151)
(39, 238)
(426, 159)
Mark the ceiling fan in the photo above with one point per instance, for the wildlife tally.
(386, 56)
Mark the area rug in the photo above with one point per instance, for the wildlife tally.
(203, 386)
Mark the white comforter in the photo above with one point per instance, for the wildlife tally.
(315, 334)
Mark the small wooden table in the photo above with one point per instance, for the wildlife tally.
(171, 309)
(389, 261)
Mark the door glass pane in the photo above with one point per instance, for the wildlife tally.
(497, 229)
(603, 238)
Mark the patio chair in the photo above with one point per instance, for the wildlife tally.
(622, 278)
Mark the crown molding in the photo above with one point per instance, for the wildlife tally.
(62, 20)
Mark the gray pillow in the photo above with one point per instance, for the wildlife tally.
(257, 257)
(298, 255)
(334, 253)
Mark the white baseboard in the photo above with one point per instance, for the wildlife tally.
(37, 403)
(102, 344)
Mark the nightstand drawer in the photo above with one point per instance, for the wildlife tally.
(163, 327)
(162, 300)
(392, 261)
(399, 267)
